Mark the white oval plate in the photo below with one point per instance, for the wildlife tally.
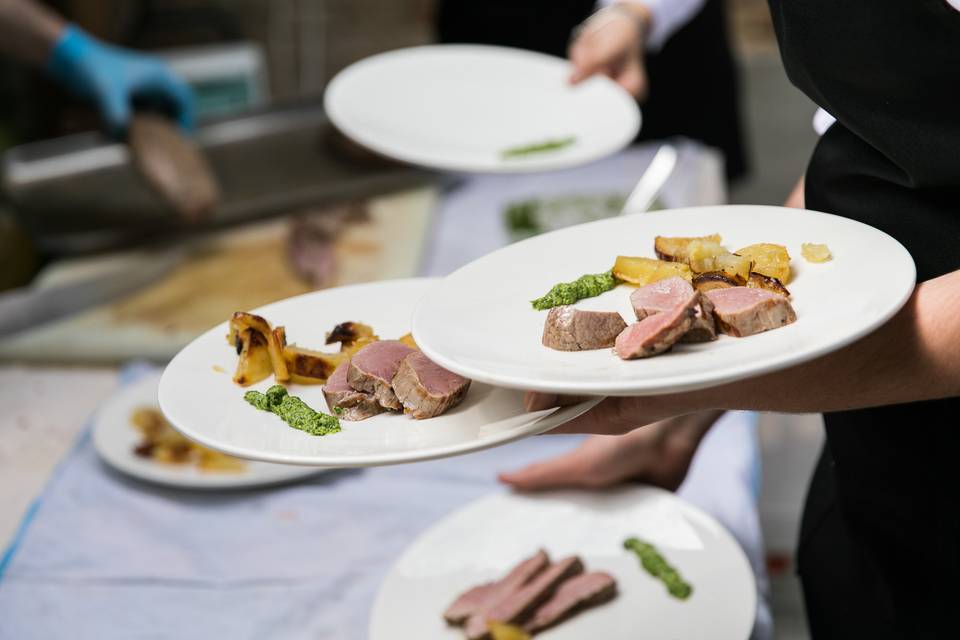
(457, 107)
(114, 438)
(481, 541)
(204, 404)
(479, 321)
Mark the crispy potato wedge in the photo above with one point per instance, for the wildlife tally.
(705, 259)
(643, 271)
(760, 281)
(408, 340)
(347, 333)
(310, 367)
(769, 260)
(254, 364)
(677, 249)
(704, 282)
(242, 320)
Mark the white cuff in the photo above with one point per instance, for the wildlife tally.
(822, 121)
(666, 17)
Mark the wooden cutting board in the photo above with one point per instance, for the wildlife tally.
(239, 269)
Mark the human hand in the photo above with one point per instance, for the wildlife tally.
(116, 78)
(659, 454)
(611, 43)
(614, 416)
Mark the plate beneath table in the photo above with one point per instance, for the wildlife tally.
(201, 401)
(484, 539)
(479, 321)
(114, 438)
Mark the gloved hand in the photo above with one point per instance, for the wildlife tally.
(113, 78)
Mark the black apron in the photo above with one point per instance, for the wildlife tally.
(693, 80)
(879, 552)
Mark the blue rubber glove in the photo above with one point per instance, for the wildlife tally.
(113, 77)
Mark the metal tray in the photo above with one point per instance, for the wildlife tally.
(80, 193)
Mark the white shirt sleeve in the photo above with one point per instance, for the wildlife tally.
(822, 121)
(667, 16)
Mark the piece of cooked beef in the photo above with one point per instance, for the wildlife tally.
(742, 311)
(665, 295)
(481, 598)
(345, 401)
(518, 605)
(372, 370)
(657, 333)
(570, 329)
(704, 327)
(425, 389)
(573, 596)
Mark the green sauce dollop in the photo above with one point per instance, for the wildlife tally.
(586, 286)
(659, 568)
(293, 411)
(539, 147)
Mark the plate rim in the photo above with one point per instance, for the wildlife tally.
(545, 164)
(686, 506)
(138, 469)
(539, 425)
(671, 384)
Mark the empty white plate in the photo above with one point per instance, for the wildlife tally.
(479, 321)
(115, 438)
(484, 539)
(458, 107)
(199, 398)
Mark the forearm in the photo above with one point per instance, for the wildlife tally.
(28, 31)
(913, 357)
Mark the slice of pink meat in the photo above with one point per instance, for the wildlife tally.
(425, 388)
(573, 596)
(478, 599)
(667, 294)
(372, 370)
(743, 311)
(657, 333)
(345, 401)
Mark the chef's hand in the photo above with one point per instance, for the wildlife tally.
(116, 78)
(658, 454)
(613, 416)
(611, 42)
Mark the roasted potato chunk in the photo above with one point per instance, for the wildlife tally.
(760, 281)
(642, 271)
(408, 340)
(769, 259)
(677, 249)
(813, 252)
(347, 333)
(704, 282)
(707, 259)
(254, 364)
(242, 320)
(310, 367)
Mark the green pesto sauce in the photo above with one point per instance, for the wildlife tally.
(539, 147)
(293, 411)
(659, 568)
(586, 286)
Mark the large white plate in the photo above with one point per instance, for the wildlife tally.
(200, 400)
(479, 321)
(483, 540)
(115, 438)
(456, 107)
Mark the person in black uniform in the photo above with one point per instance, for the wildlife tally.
(688, 85)
(879, 553)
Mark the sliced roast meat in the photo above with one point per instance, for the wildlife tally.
(667, 294)
(372, 370)
(345, 401)
(574, 595)
(479, 599)
(425, 389)
(704, 327)
(657, 333)
(570, 329)
(741, 311)
(523, 602)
